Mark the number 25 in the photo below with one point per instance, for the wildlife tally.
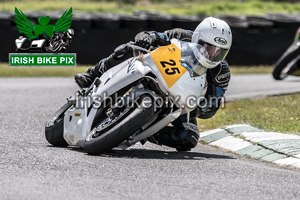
(173, 69)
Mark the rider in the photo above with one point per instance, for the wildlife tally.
(216, 37)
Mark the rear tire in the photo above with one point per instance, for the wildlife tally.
(284, 61)
(54, 128)
(120, 132)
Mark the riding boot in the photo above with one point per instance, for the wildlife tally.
(85, 79)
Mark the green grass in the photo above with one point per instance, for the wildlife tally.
(251, 69)
(279, 114)
(6, 71)
(180, 7)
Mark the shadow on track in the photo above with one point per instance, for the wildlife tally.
(156, 154)
(152, 154)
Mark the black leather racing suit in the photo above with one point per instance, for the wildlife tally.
(180, 136)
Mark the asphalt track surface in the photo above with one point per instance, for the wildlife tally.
(258, 86)
(33, 169)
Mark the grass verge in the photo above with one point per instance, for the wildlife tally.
(251, 69)
(179, 7)
(6, 71)
(279, 114)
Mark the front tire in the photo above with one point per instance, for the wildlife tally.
(119, 132)
(287, 62)
(54, 128)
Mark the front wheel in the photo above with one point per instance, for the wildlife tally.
(287, 64)
(54, 128)
(125, 126)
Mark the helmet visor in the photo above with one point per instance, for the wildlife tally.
(213, 53)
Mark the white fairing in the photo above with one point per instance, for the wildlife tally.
(184, 88)
(190, 90)
(76, 129)
(76, 124)
(77, 121)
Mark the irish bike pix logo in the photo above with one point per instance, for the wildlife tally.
(43, 44)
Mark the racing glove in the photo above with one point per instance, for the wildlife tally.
(122, 52)
(142, 39)
(151, 40)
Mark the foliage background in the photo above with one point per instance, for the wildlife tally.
(180, 7)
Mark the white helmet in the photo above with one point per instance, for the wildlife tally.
(216, 38)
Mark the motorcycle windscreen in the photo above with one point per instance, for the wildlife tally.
(189, 60)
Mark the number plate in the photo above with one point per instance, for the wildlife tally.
(167, 59)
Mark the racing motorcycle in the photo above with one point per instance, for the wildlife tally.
(289, 63)
(131, 101)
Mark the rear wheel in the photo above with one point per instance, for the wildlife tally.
(109, 133)
(287, 64)
(54, 128)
